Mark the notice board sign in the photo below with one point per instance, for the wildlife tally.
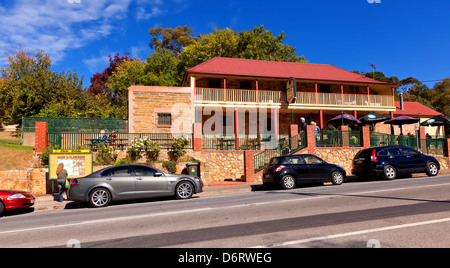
(291, 90)
(77, 164)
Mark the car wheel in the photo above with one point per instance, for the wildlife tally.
(288, 182)
(337, 178)
(389, 172)
(2, 208)
(432, 169)
(100, 197)
(184, 190)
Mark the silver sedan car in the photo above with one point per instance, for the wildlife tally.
(126, 182)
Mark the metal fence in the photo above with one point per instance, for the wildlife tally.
(85, 125)
(335, 138)
(285, 147)
(241, 141)
(117, 141)
(429, 146)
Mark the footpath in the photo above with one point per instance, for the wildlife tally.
(47, 202)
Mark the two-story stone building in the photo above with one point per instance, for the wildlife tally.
(240, 96)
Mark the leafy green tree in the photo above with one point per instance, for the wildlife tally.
(258, 43)
(173, 40)
(441, 97)
(29, 87)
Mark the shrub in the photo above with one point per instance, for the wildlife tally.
(178, 146)
(106, 155)
(171, 166)
(144, 145)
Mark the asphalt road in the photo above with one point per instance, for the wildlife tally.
(412, 212)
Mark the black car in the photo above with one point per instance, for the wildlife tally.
(390, 161)
(287, 171)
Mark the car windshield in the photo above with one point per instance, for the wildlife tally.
(364, 153)
(274, 161)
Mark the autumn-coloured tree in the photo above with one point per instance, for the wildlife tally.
(99, 80)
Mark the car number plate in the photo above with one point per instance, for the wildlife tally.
(267, 176)
(32, 201)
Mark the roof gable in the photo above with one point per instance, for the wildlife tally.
(274, 69)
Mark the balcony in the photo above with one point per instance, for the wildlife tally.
(221, 96)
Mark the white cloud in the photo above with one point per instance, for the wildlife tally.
(97, 64)
(57, 26)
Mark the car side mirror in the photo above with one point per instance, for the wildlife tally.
(158, 174)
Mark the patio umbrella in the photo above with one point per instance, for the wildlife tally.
(373, 118)
(343, 118)
(402, 120)
(438, 120)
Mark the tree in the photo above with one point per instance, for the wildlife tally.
(29, 86)
(160, 69)
(258, 44)
(173, 40)
(441, 96)
(99, 80)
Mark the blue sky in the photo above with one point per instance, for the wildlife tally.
(402, 37)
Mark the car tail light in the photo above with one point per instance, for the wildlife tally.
(73, 182)
(279, 168)
(373, 157)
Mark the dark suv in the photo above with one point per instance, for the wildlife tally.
(390, 161)
(287, 171)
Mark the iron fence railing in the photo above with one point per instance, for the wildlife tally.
(116, 140)
(429, 145)
(286, 147)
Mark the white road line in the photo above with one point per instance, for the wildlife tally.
(326, 195)
(125, 218)
(211, 208)
(327, 237)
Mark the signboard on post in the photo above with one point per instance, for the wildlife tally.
(77, 164)
(291, 90)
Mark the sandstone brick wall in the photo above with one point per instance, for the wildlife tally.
(338, 156)
(30, 180)
(146, 102)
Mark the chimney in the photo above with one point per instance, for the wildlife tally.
(401, 101)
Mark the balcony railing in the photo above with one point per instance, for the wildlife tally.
(208, 95)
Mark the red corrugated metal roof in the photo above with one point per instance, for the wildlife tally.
(414, 108)
(274, 69)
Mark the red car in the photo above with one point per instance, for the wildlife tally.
(10, 200)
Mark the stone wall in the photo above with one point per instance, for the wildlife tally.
(30, 180)
(145, 103)
(338, 156)
(214, 165)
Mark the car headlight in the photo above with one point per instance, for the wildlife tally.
(16, 196)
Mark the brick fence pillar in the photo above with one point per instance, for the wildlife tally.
(365, 137)
(311, 139)
(249, 166)
(41, 131)
(422, 137)
(345, 135)
(447, 147)
(197, 136)
(293, 130)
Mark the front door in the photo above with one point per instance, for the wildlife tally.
(316, 168)
(411, 160)
(150, 182)
(300, 168)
